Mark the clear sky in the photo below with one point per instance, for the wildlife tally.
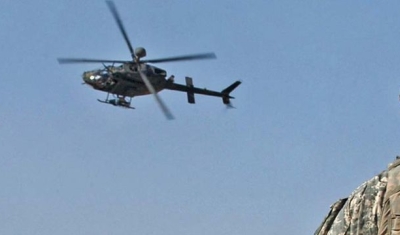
(317, 114)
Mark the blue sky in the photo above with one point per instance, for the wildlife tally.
(316, 116)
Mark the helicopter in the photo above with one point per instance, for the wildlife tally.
(137, 77)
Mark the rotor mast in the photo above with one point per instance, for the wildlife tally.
(140, 52)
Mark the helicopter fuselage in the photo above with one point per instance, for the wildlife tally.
(136, 77)
(125, 80)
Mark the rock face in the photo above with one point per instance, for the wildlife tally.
(372, 209)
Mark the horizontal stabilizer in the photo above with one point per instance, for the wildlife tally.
(190, 93)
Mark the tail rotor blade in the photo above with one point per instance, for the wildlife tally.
(163, 107)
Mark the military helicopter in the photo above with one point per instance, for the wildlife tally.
(136, 77)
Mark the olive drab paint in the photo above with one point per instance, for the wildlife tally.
(372, 209)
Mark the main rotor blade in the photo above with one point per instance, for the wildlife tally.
(114, 12)
(163, 107)
(82, 60)
(182, 58)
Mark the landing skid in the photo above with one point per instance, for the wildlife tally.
(120, 102)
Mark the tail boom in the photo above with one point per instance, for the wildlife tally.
(191, 90)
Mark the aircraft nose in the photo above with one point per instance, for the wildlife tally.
(86, 77)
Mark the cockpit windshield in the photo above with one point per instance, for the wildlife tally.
(99, 75)
(98, 78)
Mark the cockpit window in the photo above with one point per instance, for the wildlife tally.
(101, 74)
